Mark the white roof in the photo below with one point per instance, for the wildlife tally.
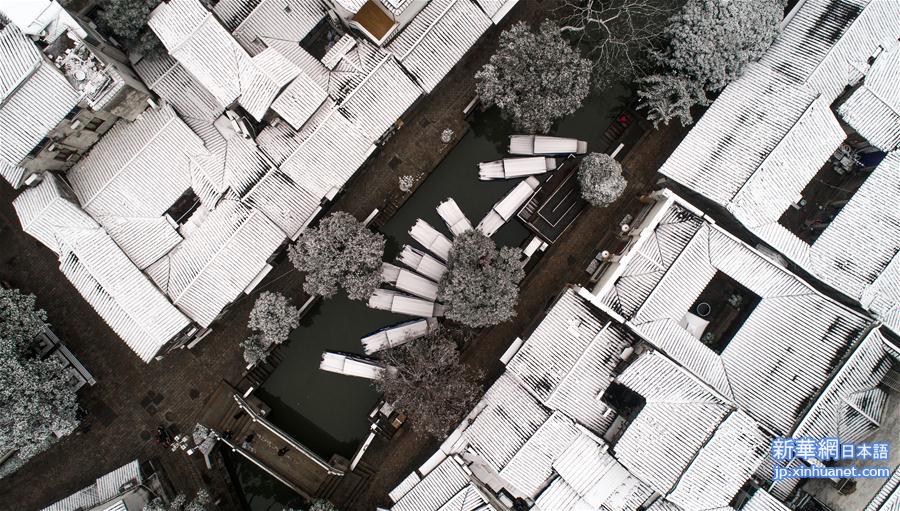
(104, 488)
(437, 38)
(34, 98)
(350, 365)
(48, 207)
(567, 361)
(769, 132)
(199, 42)
(118, 291)
(167, 77)
(371, 88)
(723, 465)
(795, 336)
(873, 110)
(763, 501)
(324, 154)
(299, 101)
(217, 260)
(133, 175)
(400, 303)
(852, 404)
(857, 252)
(888, 497)
(422, 263)
(758, 124)
(397, 335)
(446, 484)
(679, 417)
(596, 477)
(826, 44)
(252, 21)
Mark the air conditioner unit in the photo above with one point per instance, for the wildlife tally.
(76, 124)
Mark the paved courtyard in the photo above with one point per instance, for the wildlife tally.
(132, 398)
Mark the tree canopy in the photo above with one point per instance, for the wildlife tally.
(429, 382)
(126, 20)
(601, 180)
(274, 317)
(200, 502)
(707, 45)
(481, 285)
(535, 78)
(339, 252)
(36, 399)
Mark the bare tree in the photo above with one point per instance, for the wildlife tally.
(615, 34)
(600, 178)
(429, 382)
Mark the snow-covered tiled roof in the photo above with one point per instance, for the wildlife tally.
(380, 98)
(133, 175)
(326, 152)
(48, 207)
(201, 44)
(437, 38)
(284, 201)
(217, 259)
(441, 486)
(532, 465)
(567, 360)
(34, 98)
(759, 124)
(596, 477)
(858, 252)
(873, 110)
(763, 501)
(827, 43)
(679, 417)
(505, 418)
(252, 21)
(888, 497)
(99, 269)
(767, 135)
(795, 336)
(299, 101)
(104, 488)
(723, 465)
(128, 302)
(171, 81)
(852, 404)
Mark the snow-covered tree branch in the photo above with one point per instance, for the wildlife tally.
(601, 180)
(481, 286)
(430, 384)
(708, 44)
(615, 34)
(339, 252)
(535, 78)
(36, 400)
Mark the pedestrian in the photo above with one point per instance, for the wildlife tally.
(227, 434)
(250, 438)
(283, 451)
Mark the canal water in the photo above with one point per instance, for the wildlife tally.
(328, 412)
